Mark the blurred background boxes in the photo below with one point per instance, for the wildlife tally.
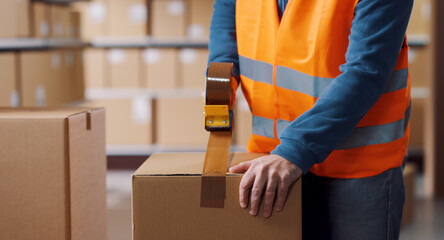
(14, 18)
(127, 18)
(179, 119)
(9, 96)
(193, 64)
(168, 18)
(159, 68)
(123, 68)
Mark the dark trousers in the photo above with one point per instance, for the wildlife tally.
(351, 209)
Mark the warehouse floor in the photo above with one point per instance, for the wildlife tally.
(428, 223)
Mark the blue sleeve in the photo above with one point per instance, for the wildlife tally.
(375, 40)
(223, 46)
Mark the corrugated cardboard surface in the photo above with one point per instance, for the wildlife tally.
(123, 68)
(168, 18)
(193, 65)
(46, 190)
(14, 18)
(87, 164)
(179, 120)
(8, 76)
(166, 204)
(127, 18)
(159, 68)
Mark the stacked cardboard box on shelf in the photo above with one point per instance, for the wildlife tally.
(421, 18)
(115, 18)
(53, 170)
(47, 79)
(14, 19)
(54, 21)
(159, 68)
(167, 192)
(129, 116)
(9, 95)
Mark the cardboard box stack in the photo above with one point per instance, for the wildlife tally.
(53, 169)
(167, 192)
(170, 73)
(9, 95)
(14, 19)
(49, 78)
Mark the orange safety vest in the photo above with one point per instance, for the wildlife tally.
(285, 66)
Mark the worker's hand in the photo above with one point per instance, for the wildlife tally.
(272, 173)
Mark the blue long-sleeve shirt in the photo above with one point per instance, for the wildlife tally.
(375, 40)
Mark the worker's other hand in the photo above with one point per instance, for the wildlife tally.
(272, 173)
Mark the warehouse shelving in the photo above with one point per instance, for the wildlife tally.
(38, 43)
(144, 42)
(145, 150)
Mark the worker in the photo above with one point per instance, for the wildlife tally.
(328, 87)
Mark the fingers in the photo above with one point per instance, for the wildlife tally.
(256, 194)
(244, 188)
(269, 196)
(240, 168)
(282, 193)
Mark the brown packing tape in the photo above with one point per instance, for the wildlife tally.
(219, 91)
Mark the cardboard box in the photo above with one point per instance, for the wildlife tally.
(40, 20)
(14, 18)
(53, 170)
(59, 21)
(79, 79)
(35, 74)
(420, 19)
(127, 18)
(69, 64)
(409, 183)
(123, 68)
(94, 68)
(166, 204)
(201, 12)
(417, 123)
(128, 118)
(421, 66)
(168, 18)
(193, 65)
(243, 122)
(159, 68)
(74, 24)
(179, 119)
(9, 95)
(93, 18)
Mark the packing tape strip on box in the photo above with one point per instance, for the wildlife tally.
(219, 91)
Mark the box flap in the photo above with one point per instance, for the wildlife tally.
(41, 113)
(184, 163)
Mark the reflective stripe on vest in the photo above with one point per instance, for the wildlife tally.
(300, 82)
(361, 136)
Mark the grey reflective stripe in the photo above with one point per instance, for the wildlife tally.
(256, 70)
(361, 136)
(398, 80)
(263, 126)
(280, 126)
(314, 86)
(297, 81)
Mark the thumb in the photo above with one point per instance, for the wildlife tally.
(241, 168)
